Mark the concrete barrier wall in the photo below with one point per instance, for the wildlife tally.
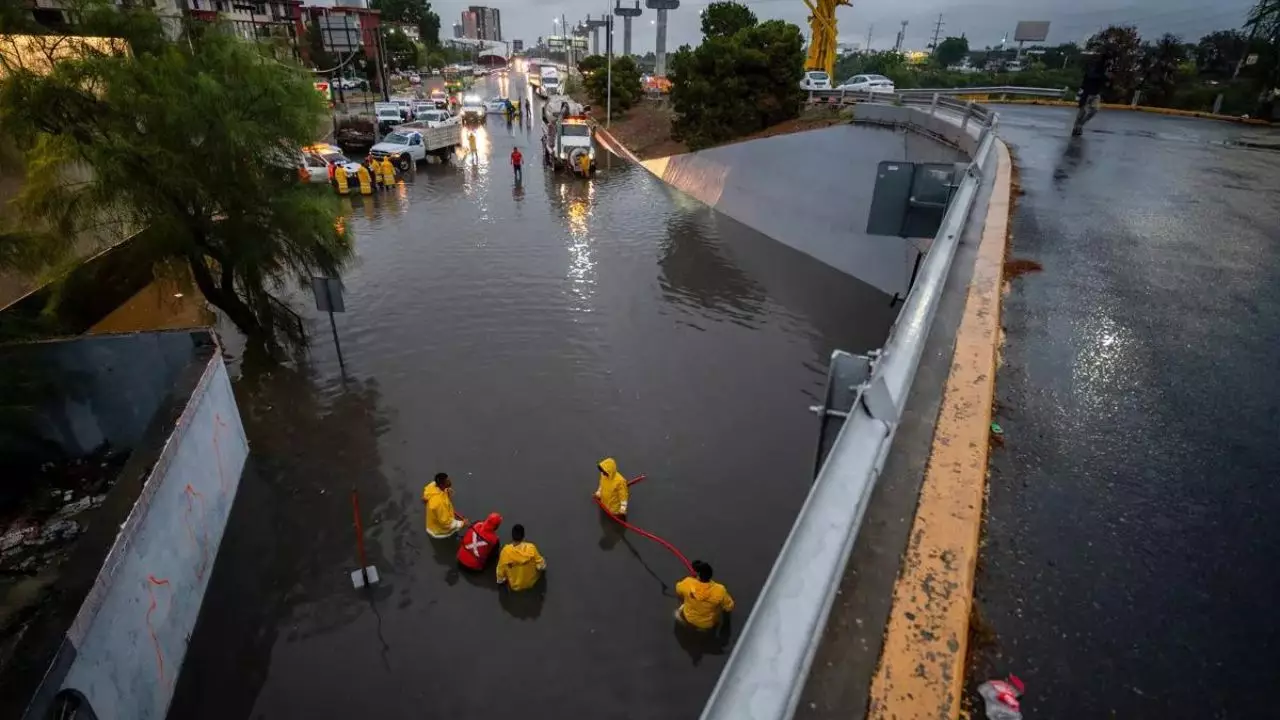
(125, 648)
(812, 191)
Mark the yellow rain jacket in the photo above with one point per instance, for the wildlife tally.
(440, 517)
(388, 172)
(613, 491)
(703, 602)
(519, 565)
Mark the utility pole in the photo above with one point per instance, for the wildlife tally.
(627, 14)
(937, 32)
(608, 81)
(870, 29)
(897, 46)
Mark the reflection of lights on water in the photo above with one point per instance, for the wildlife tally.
(577, 206)
(340, 225)
(402, 191)
(1101, 363)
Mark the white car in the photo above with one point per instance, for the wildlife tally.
(496, 106)
(815, 80)
(321, 159)
(868, 83)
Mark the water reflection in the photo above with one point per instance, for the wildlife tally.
(696, 274)
(289, 545)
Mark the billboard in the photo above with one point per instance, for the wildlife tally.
(517, 46)
(1031, 31)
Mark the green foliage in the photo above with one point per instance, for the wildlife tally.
(1161, 67)
(412, 12)
(951, 51)
(724, 19)
(1218, 52)
(626, 85)
(888, 63)
(435, 61)
(197, 142)
(1122, 47)
(729, 87)
(591, 64)
(402, 53)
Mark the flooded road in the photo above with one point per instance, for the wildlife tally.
(513, 335)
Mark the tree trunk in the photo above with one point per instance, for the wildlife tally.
(224, 297)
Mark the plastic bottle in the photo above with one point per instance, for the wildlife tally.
(1000, 698)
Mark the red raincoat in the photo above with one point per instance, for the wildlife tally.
(479, 542)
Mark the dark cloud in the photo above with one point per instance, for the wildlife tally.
(983, 22)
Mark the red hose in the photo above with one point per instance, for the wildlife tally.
(644, 533)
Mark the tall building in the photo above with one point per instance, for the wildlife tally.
(457, 30)
(488, 23)
(469, 25)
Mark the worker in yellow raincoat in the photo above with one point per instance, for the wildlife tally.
(703, 602)
(520, 564)
(388, 173)
(613, 491)
(340, 176)
(366, 184)
(442, 521)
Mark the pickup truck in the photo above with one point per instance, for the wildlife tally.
(407, 145)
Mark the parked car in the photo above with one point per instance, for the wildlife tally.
(320, 160)
(815, 80)
(868, 83)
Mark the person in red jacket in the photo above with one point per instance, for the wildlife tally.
(517, 163)
(479, 542)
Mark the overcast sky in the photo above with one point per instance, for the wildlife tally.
(982, 21)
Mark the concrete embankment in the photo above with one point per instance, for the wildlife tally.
(121, 584)
(811, 191)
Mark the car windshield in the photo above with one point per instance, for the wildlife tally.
(432, 117)
(576, 131)
(335, 157)
(388, 113)
(816, 76)
(397, 139)
(878, 78)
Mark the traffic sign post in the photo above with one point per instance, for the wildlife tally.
(328, 292)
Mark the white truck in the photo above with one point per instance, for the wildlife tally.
(549, 81)
(567, 142)
(407, 145)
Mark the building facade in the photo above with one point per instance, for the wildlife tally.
(488, 22)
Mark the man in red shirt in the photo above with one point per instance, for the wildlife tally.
(479, 542)
(517, 160)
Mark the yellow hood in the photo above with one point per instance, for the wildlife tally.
(432, 492)
(609, 466)
(522, 553)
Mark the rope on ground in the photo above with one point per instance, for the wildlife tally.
(644, 533)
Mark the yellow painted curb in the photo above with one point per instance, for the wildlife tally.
(1138, 108)
(921, 671)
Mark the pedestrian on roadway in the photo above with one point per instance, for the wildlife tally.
(517, 164)
(471, 145)
(614, 492)
(520, 564)
(1096, 80)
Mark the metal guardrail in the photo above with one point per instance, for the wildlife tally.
(767, 671)
(847, 97)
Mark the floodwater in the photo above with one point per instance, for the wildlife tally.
(513, 335)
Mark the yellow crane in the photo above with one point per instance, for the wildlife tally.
(822, 41)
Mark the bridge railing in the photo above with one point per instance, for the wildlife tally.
(767, 671)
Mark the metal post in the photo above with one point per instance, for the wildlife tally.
(968, 110)
(334, 327)
(626, 35)
(1217, 104)
(608, 93)
(660, 51)
(933, 107)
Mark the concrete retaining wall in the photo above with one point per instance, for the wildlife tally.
(123, 651)
(812, 191)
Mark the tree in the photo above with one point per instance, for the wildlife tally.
(1123, 48)
(723, 19)
(732, 86)
(1218, 52)
(591, 64)
(1264, 23)
(626, 85)
(1061, 57)
(1160, 63)
(402, 53)
(196, 143)
(951, 51)
(417, 13)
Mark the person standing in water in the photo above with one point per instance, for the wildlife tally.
(520, 564)
(613, 491)
(703, 602)
(442, 521)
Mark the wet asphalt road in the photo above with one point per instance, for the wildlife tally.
(1131, 550)
(513, 335)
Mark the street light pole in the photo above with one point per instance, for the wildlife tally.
(608, 93)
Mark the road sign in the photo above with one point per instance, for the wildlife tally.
(328, 292)
(1252, 59)
(1031, 31)
(910, 199)
(517, 46)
